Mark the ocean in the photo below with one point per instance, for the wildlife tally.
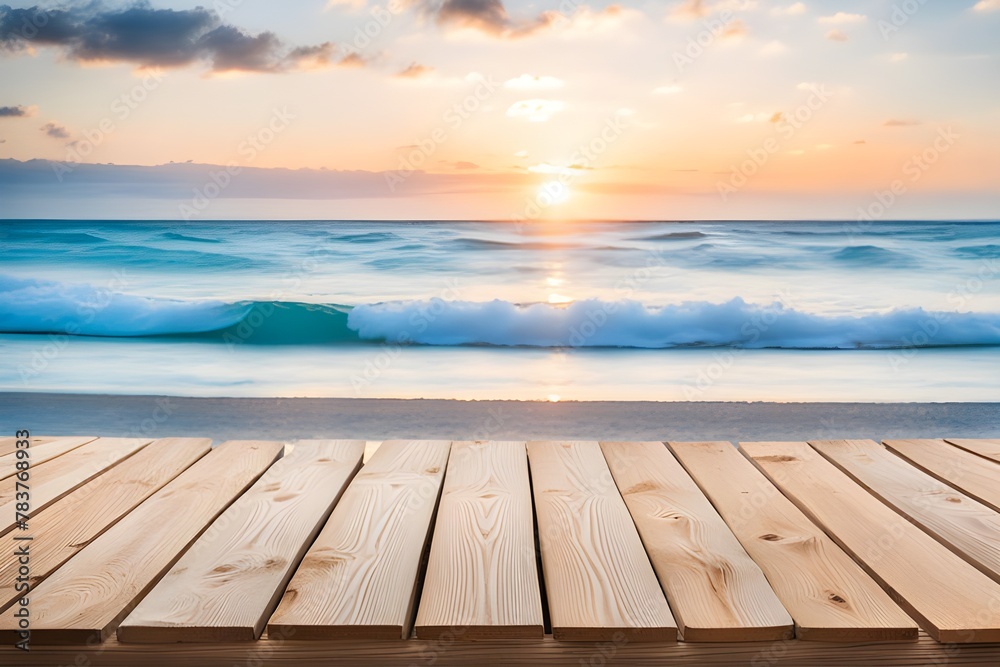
(666, 311)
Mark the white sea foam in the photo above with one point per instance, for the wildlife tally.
(42, 306)
(631, 324)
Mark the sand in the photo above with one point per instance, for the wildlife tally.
(377, 419)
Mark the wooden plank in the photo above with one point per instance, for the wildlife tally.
(287, 652)
(967, 472)
(482, 575)
(828, 595)
(598, 579)
(964, 525)
(85, 599)
(62, 475)
(359, 578)
(952, 601)
(9, 445)
(42, 453)
(989, 449)
(71, 523)
(716, 591)
(228, 583)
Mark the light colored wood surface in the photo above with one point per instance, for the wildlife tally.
(989, 449)
(964, 525)
(42, 453)
(62, 475)
(598, 579)
(8, 445)
(71, 523)
(85, 599)
(482, 574)
(963, 470)
(359, 578)
(828, 595)
(286, 652)
(716, 592)
(227, 584)
(952, 600)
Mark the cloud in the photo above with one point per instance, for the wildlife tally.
(55, 130)
(529, 82)
(734, 29)
(986, 5)
(777, 117)
(896, 122)
(488, 16)
(536, 111)
(690, 10)
(414, 71)
(353, 59)
(139, 34)
(460, 165)
(794, 9)
(837, 35)
(843, 17)
(898, 57)
(16, 111)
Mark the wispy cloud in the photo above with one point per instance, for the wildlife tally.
(794, 9)
(836, 35)
(987, 6)
(536, 111)
(843, 17)
(896, 122)
(414, 71)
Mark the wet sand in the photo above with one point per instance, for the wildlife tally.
(377, 419)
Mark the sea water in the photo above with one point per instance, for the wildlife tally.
(779, 311)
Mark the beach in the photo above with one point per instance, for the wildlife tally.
(379, 419)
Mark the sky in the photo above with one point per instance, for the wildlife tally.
(500, 109)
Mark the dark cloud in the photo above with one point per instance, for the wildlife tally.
(152, 37)
(55, 131)
(489, 16)
(14, 112)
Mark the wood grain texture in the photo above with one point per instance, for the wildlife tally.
(828, 595)
(599, 583)
(359, 578)
(964, 525)
(716, 591)
(42, 453)
(482, 575)
(228, 583)
(286, 652)
(952, 601)
(8, 445)
(62, 475)
(967, 472)
(71, 523)
(85, 599)
(989, 449)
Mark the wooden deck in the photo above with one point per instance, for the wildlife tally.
(328, 552)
